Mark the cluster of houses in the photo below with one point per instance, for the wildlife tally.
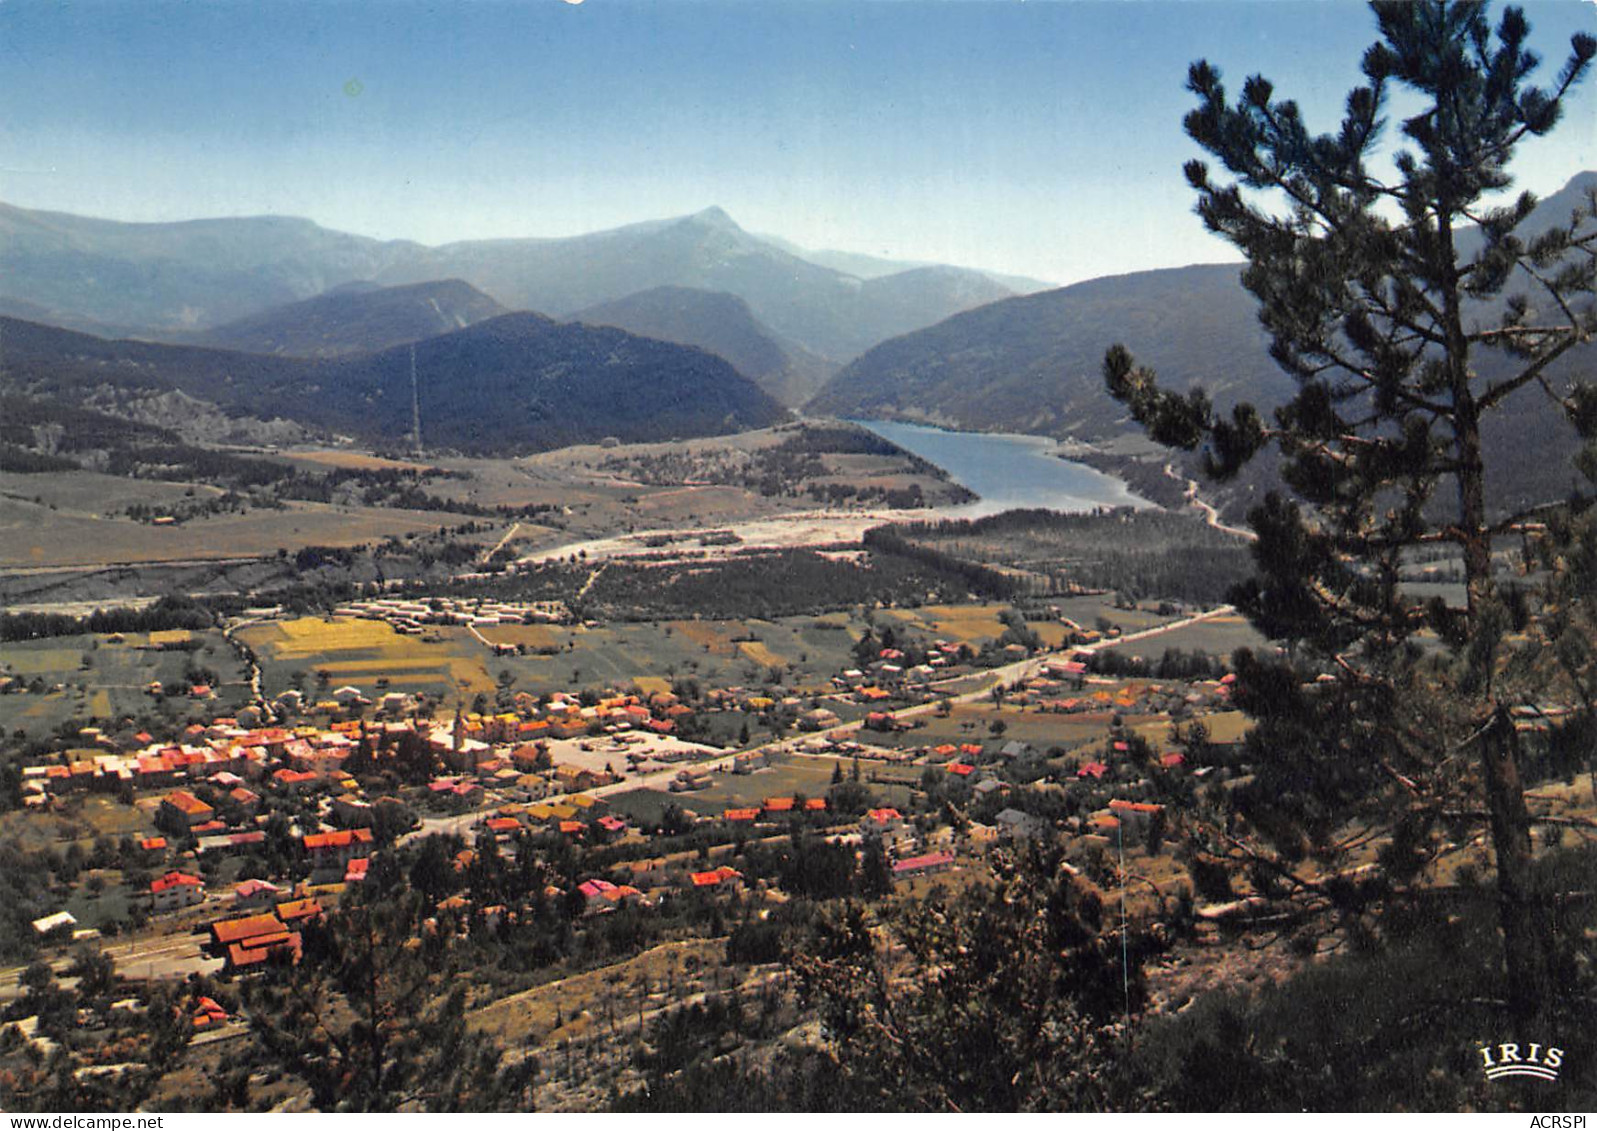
(892, 669)
(500, 750)
(249, 942)
(410, 617)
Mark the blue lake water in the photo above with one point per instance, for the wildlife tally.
(1008, 471)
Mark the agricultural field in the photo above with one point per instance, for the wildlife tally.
(972, 722)
(105, 680)
(89, 494)
(446, 660)
(649, 656)
(979, 624)
(1218, 636)
(33, 535)
(531, 636)
(1087, 611)
(348, 460)
(360, 652)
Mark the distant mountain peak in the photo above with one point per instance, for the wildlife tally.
(715, 217)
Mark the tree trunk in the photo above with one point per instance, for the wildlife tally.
(1520, 909)
(1520, 913)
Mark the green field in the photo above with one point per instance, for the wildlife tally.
(808, 776)
(447, 659)
(113, 684)
(67, 520)
(971, 722)
(1219, 636)
(1086, 611)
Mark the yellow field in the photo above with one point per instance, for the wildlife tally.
(43, 661)
(171, 636)
(757, 651)
(702, 633)
(652, 684)
(395, 664)
(358, 461)
(468, 675)
(1224, 726)
(532, 635)
(311, 636)
(353, 650)
(1051, 633)
(100, 704)
(964, 624)
(970, 624)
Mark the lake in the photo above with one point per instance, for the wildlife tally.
(1008, 471)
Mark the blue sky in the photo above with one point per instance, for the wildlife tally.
(1022, 135)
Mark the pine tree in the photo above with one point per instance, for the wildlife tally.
(371, 1020)
(1412, 311)
(1005, 997)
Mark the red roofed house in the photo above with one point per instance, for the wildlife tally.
(961, 769)
(927, 865)
(1134, 815)
(298, 911)
(338, 847)
(740, 815)
(722, 877)
(502, 827)
(176, 890)
(255, 893)
(181, 809)
(208, 1014)
(593, 889)
(889, 827)
(254, 940)
(1092, 770)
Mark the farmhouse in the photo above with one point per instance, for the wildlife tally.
(176, 890)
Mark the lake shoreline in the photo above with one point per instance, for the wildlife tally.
(1009, 471)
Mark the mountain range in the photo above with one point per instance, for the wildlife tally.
(513, 383)
(354, 318)
(674, 322)
(724, 325)
(1033, 363)
(179, 280)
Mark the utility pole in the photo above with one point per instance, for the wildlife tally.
(415, 405)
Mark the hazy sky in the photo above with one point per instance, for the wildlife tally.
(1017, 135)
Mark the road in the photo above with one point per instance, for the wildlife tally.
(499, 545)
(247, 655)
(1210, 515)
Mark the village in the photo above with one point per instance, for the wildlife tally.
(261, 820)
